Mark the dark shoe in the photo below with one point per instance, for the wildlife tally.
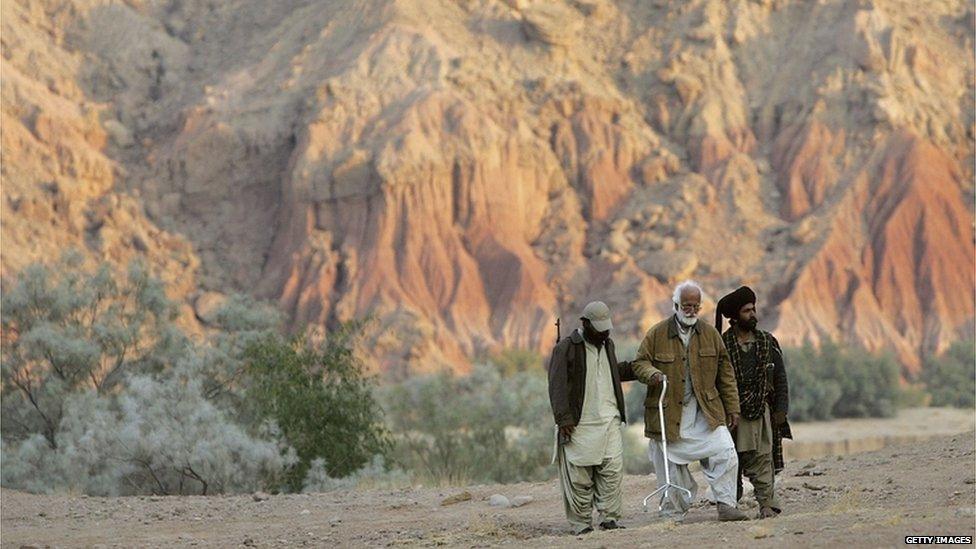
(586, 530)
(768, 512)
(611, 525)
(729, 513)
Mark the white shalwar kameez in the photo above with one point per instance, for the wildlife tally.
(698, 442)
(591, 464)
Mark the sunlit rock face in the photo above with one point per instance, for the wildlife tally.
(463, 173)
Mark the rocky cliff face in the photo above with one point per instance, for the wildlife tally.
(465, 171)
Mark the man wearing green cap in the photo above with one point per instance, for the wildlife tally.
(588, 408)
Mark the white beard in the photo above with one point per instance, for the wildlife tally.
(686, 320)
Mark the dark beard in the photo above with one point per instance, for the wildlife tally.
(750, 324)
(593, 337)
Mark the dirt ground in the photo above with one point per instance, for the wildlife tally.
(868, 499)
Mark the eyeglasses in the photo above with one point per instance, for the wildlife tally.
(691, 307)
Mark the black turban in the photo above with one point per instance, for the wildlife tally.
(729, 305)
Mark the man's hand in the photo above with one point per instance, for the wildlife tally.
(732, 420)
(779, 418)
(656, 379)
(566, 430)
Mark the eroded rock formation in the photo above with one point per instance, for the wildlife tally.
(464, 172)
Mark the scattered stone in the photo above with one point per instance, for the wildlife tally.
(814, 487)
(305, 512)
(248, 542)
(971, 481)
(260, 496)
(456, 498)
(551, 23)
(498, 500)
(519, 501)
(809, 473)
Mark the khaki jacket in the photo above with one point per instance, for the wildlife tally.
(712, 376)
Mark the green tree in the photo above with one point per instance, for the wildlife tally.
(951, 377)
(869, 383)
(319, 398)
(832, 381)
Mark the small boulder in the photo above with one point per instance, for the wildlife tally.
(260, 496)
(456, 498)
(498, 500)
(519, 501)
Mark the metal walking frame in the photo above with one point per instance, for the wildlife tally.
(664, 448)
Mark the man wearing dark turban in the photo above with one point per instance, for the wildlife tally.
(760, 374)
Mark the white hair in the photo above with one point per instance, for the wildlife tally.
(686, 285)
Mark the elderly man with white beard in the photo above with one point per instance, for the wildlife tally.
(700, 406)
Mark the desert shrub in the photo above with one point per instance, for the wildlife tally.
(635, 393)
(812, 395)
(513, 361)
(951, 377)
(478, 427)
(157, 434)
(376, 473)
(68, 330)
(321, 400)
(635, 443)
(237, 325)
(103, 394)
(834, 382)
